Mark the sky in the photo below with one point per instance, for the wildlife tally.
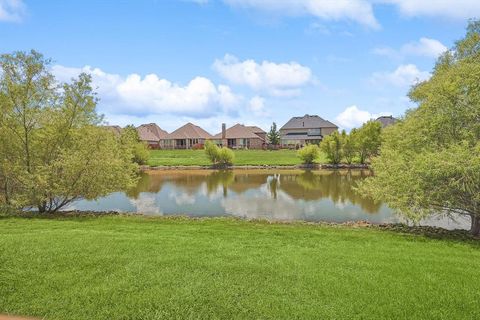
(240, 61)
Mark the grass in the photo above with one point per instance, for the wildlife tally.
(242, 157)
(118, 267)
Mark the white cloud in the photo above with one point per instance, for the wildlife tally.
(404, 76)
(12, 10)
(257, 106)
(360, 11)
(135, 94)
(353, 117)
(425, 47)
(453, 9)
(279, 79)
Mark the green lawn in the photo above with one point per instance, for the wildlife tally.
(150, 268)
(242, 157)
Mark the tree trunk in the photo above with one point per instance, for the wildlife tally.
(475, 228)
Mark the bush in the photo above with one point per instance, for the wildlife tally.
(219, 156)
(308, 154)
(225, 156)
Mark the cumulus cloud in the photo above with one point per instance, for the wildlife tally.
(353, 117)
(404, 76)
(279, 79)
(359, 11)
(425, 47)
(257, 106)
(135, 94)
(12, 10)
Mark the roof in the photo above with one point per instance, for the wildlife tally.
(157, 131)
(256, 129)
(145, 134)
(386, 120)
(308, 122)
(239, 131)
(117, 130)
(189, 131)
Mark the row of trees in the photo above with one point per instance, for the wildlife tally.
(359, 145)
(53, 149)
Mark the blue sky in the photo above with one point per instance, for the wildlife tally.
(246, 61)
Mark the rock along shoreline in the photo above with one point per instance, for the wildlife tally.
(246, 167)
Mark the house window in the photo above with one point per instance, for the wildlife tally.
(314, 132)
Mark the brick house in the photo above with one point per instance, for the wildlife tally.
(186, 137)
(241, 137)
(151, 134)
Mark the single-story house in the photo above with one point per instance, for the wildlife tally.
(386, 120)
(299, 131)
(240, 137)
(186, 137)
(151, 134)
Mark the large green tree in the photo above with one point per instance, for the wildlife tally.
(273, 136)
(429, 162)
(52, 149)
(367, 140)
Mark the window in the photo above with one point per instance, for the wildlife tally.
(314, 132)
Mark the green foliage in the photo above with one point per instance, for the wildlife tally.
(332, 146)
(308, 154)
(219, 156)
(367, 140)
(52, 150)
(225, 156)
(348, 146)
(131, 141)
(429, 163)
(273, 135)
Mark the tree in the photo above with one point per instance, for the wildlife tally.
(429, 162)
(308, 154)
(367, 140)
(331, 145)
(273, 135)
(129, 138)
(52, 149)
(348, 146)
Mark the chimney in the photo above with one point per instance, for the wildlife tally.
(224, 131)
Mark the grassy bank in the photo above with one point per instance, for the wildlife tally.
(141, 268)
(242, 157)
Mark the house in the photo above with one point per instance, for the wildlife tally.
(240, 137)
(186, 137)
(386, 120)
(151, 134)
(299, 131)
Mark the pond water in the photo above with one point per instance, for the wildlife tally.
(286, 195)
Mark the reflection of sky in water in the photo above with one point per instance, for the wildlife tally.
(273, 195)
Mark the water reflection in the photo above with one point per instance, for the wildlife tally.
(269, 194)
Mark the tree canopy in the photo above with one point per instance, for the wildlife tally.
(429, 162)
(53, 149)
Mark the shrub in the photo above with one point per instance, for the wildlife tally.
(219, 156)
(211, 150)
(225, 156)
(308, 154)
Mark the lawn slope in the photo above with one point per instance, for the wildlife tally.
(145, 268)
(242, 158)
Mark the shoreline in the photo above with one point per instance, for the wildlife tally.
(430, 231)
(267, 167)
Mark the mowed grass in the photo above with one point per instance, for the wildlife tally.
(150, 268)
(242, 157)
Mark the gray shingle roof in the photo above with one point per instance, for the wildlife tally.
(308, 122)
(240, 131)
(386, 120)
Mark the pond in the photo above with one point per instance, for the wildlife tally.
(285, 195)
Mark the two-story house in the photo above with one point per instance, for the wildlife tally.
(309, 129)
